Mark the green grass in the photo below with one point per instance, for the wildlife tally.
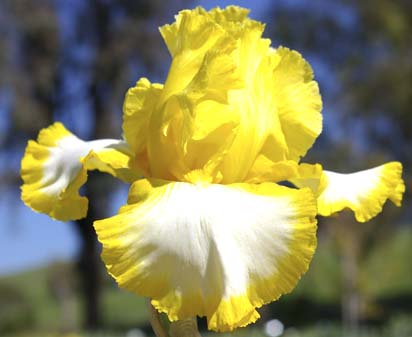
(33, 295)
(26, 300)
(123, 308)
(400, 326)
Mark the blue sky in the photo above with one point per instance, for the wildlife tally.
(28, 239)
(257, 8)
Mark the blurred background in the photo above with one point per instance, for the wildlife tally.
(72, 61)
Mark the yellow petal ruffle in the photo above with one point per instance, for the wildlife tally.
(55, 167)
(210, 250)
(298, 102)
(364, 192)
(139, 104)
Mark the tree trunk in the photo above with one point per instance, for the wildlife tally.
(88, 267)
(350, 275)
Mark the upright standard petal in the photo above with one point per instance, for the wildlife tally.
(139, 105)
(190, 124)
(210, 250)
(364, 192)
(227, 93)
(298, 101)
(55, 167)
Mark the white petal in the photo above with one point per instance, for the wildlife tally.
(210, 250)
(364, 192)
(54, 168)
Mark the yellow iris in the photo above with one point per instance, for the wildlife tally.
(208, 231)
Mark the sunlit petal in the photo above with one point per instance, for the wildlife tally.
(364, 192)
(227, 93)
(308, 175)
(210, 250)
(53, 172)
(139, 104)
(298, 102)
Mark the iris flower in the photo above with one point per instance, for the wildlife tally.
(207, 229)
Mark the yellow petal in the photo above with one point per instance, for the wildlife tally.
(138, 106)
(227, 93)
(189, 39)
(254, 104)
(264, 169)
(116, 159)
(364, 192)
(308, 175)
(298, 102)
(210, 250)
(279, 110)
(193, 30)
(231, 18)
(52, 170)
(192, 120)
(215, 55)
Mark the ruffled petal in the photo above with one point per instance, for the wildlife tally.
(298, 102)
(266, 170)
(254, 104)
(193, 125)
(210, 250)
(139, 104)
(54, 168)
(364, 192)
(308, 175)
(227, 93)
(189, 39)
(210, 90)
(293, 97)
(116, 159)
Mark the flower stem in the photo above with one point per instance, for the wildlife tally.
(182, 328)
(157, 325)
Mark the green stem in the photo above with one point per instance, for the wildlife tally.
(157, 325)
(182, 328)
